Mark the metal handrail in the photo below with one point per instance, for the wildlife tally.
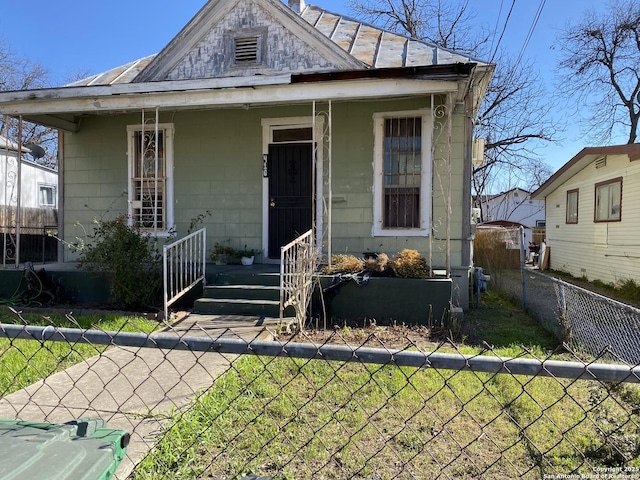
(183, 266)
(297, 266)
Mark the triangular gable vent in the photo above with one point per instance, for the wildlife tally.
(246, 50)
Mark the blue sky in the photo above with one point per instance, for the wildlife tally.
(79, 36)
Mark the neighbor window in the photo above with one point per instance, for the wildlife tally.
(608, 200)
(402, 174)
(572, 206)
(47, 196)
(150, 183)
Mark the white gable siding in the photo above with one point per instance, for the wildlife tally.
(606, 251)
(213, 55)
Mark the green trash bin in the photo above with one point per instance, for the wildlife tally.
(80, 450)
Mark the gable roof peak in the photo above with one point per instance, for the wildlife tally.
(284, 43)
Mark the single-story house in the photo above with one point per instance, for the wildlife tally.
(593, 214)
(277, 119)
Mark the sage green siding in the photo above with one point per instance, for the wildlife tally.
(606, 251)
(218, 168)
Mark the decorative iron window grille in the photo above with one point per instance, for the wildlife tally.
(149, 181)
(402, 172)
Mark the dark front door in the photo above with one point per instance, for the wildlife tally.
(290, 193)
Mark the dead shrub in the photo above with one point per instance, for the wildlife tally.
(342, 263)
(410, 264)
(378, 263)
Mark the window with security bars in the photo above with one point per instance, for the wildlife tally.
(148, 184)
(402, 150)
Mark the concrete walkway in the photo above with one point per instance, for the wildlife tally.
(135, 389)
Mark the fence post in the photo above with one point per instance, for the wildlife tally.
(522, 269)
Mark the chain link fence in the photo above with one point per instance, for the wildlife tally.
(203, 401)
(591, 324)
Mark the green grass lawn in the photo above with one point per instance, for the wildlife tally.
(297, 419)
(23, 362)
(503, 325)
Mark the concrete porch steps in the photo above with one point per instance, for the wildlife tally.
(242, 291)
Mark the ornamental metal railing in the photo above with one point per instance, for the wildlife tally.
(298, 261)
(184, 266)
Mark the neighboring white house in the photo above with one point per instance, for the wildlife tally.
(515, 205)
(28, 206)
(593, 214)
(38, 186)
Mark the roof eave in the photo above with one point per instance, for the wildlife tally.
(60, 108)
(583, 158)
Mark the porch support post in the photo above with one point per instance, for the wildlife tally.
(155, 183)
(60, 160)
(316, 176)
(330, 178)
(467, 175)
(322, 185)
(5, 206)
(19, 190)
(450, 107)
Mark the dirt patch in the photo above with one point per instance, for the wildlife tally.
(370, 335)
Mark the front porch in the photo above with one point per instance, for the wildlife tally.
(254, 291)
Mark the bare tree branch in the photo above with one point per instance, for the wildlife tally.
(602, 72)
(18, 73)
(513, 117)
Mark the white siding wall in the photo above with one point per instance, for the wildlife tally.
(606, 251)
(520, 208)
(32, 177)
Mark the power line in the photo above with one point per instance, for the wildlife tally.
(495, 30)
(504, 28)
(533, 27)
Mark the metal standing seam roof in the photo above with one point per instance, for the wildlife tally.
(376, 47)
(371, 45)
